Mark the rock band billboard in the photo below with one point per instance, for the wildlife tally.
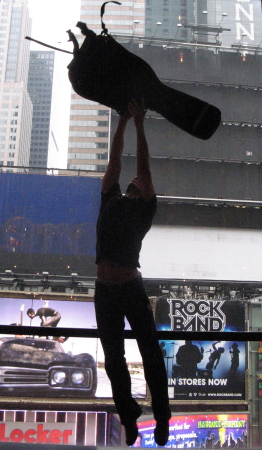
(177, 314)
(203, 370)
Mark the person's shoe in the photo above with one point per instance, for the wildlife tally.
(131, 432)
(161, 433)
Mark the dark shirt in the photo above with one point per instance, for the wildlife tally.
(189, 356)
(45, 312)
(122, 224)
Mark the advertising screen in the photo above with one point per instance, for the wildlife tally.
(58, 366)
(202, 252)
(178, 314)
(199, 431)
(48, 223)
(205, 370)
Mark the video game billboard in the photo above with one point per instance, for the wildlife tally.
(199, 431)
(204, 369)
(178, 314)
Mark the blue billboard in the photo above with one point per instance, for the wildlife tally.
(48, 223)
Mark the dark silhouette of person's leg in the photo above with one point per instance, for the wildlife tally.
(110, 322)
(139, 314)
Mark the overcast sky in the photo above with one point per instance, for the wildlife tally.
(50, 21)
(52, 18)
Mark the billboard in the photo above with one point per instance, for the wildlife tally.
(61, 367)
(187, 314)
(47, 223)
(199, 431)
(205, 370)
(202, 253)
(38, 433)
(64, 428)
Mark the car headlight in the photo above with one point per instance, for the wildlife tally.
(59, 377)
(78, 377)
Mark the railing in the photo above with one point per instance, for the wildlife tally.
(246, 336)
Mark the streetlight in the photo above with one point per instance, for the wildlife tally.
(179, 25)
(242, 35)
(219, 28)
(136, 22)
(223, 15)
(158, 24)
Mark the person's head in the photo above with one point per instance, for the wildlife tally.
(31, 313)
(132, 189)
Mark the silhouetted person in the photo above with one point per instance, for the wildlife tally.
(122, 224)
(215, 356)
(163, 350)
(234, 351)
(188, 356)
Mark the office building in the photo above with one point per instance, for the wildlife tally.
(166, 19)
(230, 24)
(15, 103)
(50, 116)
(219, 22)
(40, 90)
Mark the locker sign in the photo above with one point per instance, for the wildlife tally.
(38, 433)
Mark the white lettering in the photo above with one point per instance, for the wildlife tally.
(247, 13)
(250, 16)
(217, 382)
(241, 29)
(192, 381)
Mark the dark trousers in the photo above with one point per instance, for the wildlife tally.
(113, 302)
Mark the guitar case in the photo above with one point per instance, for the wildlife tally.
(102, 70)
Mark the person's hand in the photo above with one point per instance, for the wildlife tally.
(125, 116)
(137, 110)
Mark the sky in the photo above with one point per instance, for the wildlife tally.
(51, 19)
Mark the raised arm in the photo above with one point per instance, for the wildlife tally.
(145, 183)
(114, 166)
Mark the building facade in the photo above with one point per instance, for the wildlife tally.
(40, 82)
(234, 27)
(167, 19)
(15, 103)
(50, 116)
